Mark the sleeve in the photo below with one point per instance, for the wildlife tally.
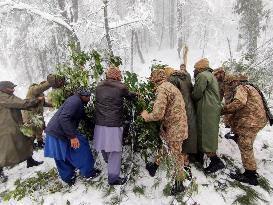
(129, 95)
(69, 110)
(238, 102)
(37, 89)
(17, 103)
(159, 107)
(47, 104)
(200, 85)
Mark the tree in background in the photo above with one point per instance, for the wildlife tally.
(251, 24)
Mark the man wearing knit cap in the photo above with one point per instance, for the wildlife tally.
(207, 97)
(14, 146)
(110, 95)
(249, 116)
(65, 144)
(169, 109)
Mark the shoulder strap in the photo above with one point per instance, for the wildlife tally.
(267, 110)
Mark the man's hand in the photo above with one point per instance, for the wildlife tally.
(144, 115)
(40, 98)
(75, 143)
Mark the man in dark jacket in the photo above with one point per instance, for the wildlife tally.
(110, 95)
(14, 146)
(65, 144)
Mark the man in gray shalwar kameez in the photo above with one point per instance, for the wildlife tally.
(110, 95)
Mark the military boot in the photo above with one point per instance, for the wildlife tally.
(231, 136)
(249, 177)
(199, 157)
(32, 163)
(151, 168)
(215, 165)
(3, 177)
(177, 188)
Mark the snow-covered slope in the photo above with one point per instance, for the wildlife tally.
(215, 189)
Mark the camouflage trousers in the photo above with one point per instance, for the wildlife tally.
(173, 148)
(37, 133)
(245, 143)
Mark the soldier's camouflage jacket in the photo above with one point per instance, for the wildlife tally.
(247, 108)
(34, 91)
(169, 108)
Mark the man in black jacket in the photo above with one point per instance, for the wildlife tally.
(65, 144)
(110, 95)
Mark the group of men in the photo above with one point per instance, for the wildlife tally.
(192, 118)
(189, 116)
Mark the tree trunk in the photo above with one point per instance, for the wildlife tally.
(132, 51)
(107, 29)
(163, 25)
(171, 27)
(73, 38)
(138, 49)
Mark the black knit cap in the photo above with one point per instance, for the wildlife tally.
(84, 91)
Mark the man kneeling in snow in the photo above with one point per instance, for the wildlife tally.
(169, 108)
(65, 144)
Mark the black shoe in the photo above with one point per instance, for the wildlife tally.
(32, 163)
(3, 177)
(199, 157)
(95, 173)
(119, 181)
(72, 181)
(177, 188)
(231, 136)
(151, 168)
(40, 144)
(249, 177)
(188, 172)
(215, 165)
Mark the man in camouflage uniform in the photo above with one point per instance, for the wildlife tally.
(248, 118)
(35, 91)
(182, 80)
(169, 108)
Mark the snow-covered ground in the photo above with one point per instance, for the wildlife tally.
(83, 193)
